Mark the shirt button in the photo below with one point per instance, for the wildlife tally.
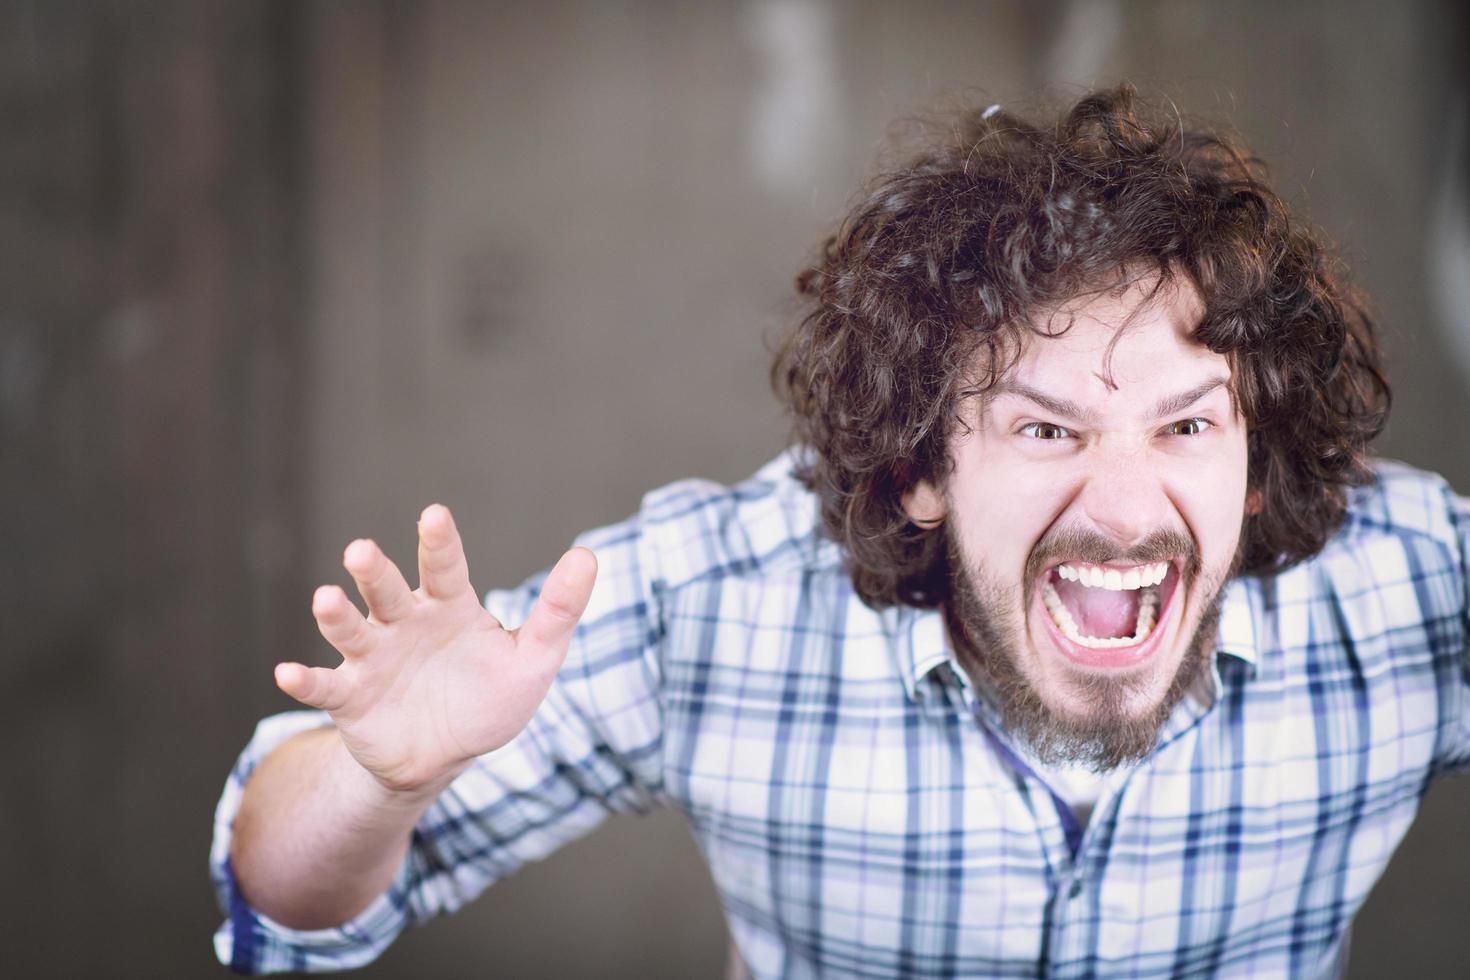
(1075, 890)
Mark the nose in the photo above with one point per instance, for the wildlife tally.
(1124, 497)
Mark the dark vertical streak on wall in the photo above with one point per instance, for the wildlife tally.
(151, 363)
(401, 270)
(1039, 21)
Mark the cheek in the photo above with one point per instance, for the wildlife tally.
(1001, 511)
(1217, 505)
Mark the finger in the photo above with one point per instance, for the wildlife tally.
(563, 600)
(443, 572)
(340, 622)
(378, 579)
(316, 687)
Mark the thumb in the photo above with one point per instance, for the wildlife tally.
(562, 601)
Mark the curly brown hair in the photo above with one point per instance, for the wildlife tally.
(947, 261)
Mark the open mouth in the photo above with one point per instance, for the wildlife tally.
(1108, 607)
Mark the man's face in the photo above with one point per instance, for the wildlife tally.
(1094, 511)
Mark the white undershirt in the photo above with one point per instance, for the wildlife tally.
(1078, 786)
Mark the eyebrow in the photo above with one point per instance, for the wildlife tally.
(1072, 410)
(1054, 405)
(1181, 401)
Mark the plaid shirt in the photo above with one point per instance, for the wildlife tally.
(863, 812)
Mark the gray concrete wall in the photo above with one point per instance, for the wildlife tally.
(277, 275)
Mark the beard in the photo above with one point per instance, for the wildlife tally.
(1113, 730)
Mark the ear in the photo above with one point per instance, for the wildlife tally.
(924, 505)
(1254, 502)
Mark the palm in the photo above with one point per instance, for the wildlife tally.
(445, 686)
(430, 679)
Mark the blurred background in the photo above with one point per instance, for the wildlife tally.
(274, 275)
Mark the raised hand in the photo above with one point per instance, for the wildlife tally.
(429, 679)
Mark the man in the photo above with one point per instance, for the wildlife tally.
(1076, 637)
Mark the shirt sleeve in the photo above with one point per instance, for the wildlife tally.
(594, 747)
(1460, 516)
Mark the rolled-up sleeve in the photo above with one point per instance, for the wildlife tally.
(593, 748)
(1460, 515)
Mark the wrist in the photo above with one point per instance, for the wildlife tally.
(380, 795)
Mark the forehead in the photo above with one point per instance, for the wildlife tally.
(1111, 349)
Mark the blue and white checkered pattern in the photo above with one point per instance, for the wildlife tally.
(864, 815)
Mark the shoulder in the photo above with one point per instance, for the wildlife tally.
(1405, 503)
(1404, 541)
(766, 526)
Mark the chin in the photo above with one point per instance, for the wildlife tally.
(1089, 656)
(1103, 712)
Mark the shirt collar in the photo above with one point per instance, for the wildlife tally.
(928, 648)
(923, 645)
(1240, 609)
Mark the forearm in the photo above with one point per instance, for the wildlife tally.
(317, 838)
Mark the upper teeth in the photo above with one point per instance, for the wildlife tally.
(1098, 577)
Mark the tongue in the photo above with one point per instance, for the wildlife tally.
(1099, 612)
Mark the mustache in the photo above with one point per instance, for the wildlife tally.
(1080, 544)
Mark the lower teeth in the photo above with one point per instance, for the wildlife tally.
(1148, 605)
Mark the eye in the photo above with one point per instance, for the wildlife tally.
(1045, 430)
(1188, 427)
